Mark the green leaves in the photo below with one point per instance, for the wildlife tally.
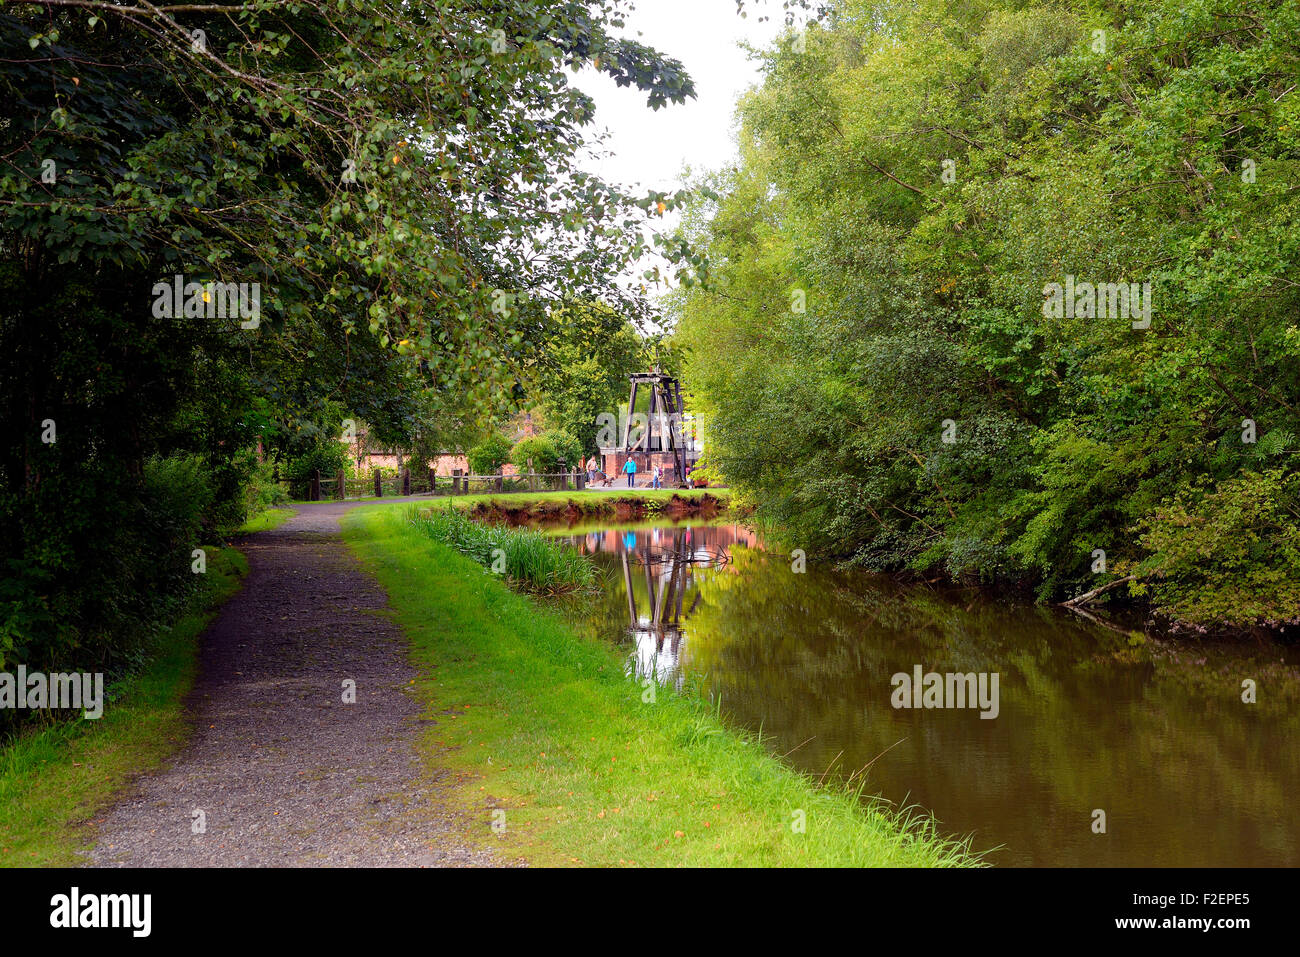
(223, 162)
(924, 295)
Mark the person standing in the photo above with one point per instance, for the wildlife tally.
(690, 482)
(658, 475)
(629, 467)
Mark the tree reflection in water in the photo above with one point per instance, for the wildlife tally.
(658, 570)
(1153, 731)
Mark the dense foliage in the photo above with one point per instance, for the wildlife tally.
(582, 374)
(544, 453)
(487, 457)
(881, 355)
(400, 180)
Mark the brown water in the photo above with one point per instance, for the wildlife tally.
(1153, 733)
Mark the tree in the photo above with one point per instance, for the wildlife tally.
(367, 208)
(880, 348)
(545, 452)
(583, 372)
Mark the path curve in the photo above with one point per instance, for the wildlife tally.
(284, 772)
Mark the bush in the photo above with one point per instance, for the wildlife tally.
(329, 457)
(567, 448)
(96, 561)
(177, 501)
(262, 491)
(546, 451)
(1226, 553)
(488, 456)
(535, 454)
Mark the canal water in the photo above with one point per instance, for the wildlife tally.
(1089, 719)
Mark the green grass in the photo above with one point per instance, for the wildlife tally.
(267, 519)
(543, 724)
(526, 558)
(52, 780)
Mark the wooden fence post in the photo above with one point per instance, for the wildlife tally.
(433, 480)
(315, 485)
(343, 485)
(379, 485)
(406, 481)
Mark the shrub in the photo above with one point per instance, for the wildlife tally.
(567, 448)
(262, 491)
(547, 451)
(536, 453)
(488, 456)
(328, 458)
(99, 564)
(1228, 553)
(177, 500)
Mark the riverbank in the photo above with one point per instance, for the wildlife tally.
(567, 761)
(55, 779)
(629, 506)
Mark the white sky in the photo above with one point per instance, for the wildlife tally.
(650, 149)
(651, 146)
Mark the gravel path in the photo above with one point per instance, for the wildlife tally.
(284, 772)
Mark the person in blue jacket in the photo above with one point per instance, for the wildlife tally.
(630, 468)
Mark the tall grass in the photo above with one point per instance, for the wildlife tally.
(524, 557)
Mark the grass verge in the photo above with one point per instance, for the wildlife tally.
(267, 519)
(546, 728)
(54, 779)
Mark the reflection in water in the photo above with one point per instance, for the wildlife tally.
(657, 570)
(1154, 733)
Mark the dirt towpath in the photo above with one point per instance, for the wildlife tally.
(284, 772)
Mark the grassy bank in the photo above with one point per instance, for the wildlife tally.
(547, 729)
(651, 496)
(53, 780)
(524, 557)
(267, 519)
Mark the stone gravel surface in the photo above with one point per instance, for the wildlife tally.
(284, 772)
